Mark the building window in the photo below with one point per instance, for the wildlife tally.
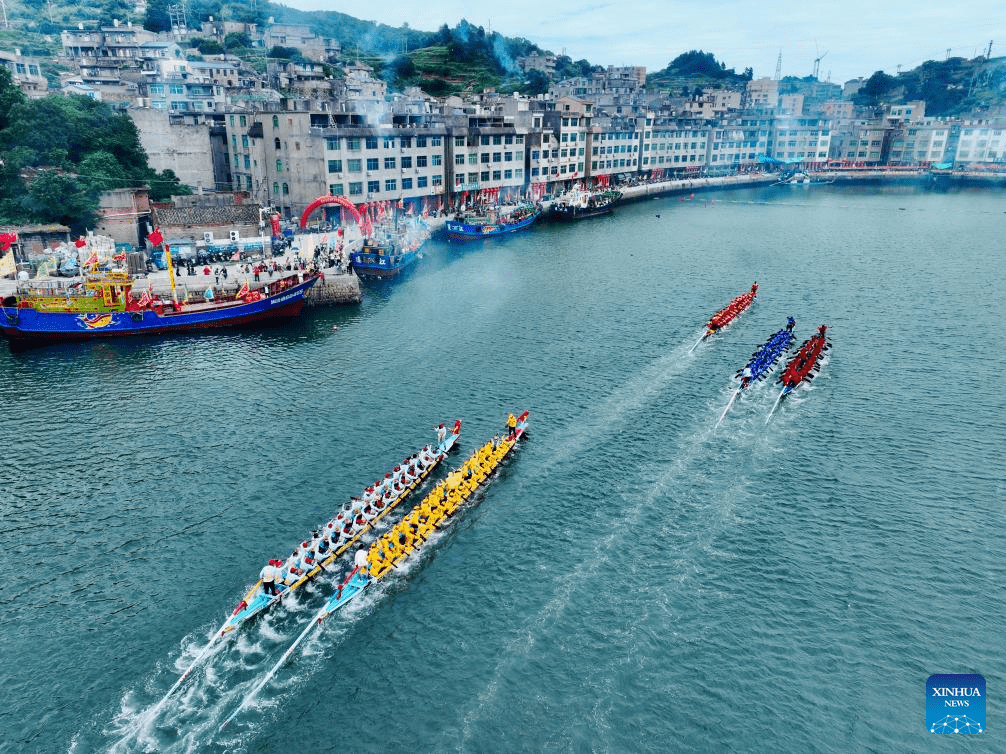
(438, 180)
(372, 163)
(335, 189)
(484, 158)
(275, 188)
(389, 163)
(275, 143)
(484, 175)
(286, 189)
(436, 160)
(373, 187)
(406, 163)
(496, 175)
(420, 182)
(371, 142)
(391, 185)
(275, 121)
(420, 161)
(497, 138)
(497, 157)
(279, 166)
(406, 184)
(420, 141)
(353, 142)
(473, 159)
(389, 142)
(244, 141)
(459, 141)
(435, 141)
(354, 166)
(335, 166)
(332, 142)
(355, 189)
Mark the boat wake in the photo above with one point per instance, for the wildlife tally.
(612, 413)
(190, 720)
(642, 507)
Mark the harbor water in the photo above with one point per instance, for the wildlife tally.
(635, 579)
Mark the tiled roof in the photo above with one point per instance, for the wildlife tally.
(237, 215)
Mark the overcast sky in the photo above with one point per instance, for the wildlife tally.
(853, 38)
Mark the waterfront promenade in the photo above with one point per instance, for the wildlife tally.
(335, 289)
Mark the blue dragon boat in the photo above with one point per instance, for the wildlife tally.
(762, 361)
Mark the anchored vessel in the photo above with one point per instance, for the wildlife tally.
(579, 204)
(102, 305)
(386, 260)
(470, 226)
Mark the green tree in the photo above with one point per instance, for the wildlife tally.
(165, 185)
(237, 39)
(11, 97)
(53, 197)
(156, 17)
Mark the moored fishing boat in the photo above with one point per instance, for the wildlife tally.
(465, 227)
(377, 260)
(578, 204)
(102, 305)
(442, 504)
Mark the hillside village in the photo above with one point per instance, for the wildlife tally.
(313, 119)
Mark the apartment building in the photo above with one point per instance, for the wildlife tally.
(26, 73)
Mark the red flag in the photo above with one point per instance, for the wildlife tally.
(80, 243)
(93, 259)
(6, 239)
(156, 238)
(244, 290)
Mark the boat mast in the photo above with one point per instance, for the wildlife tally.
(171, 273)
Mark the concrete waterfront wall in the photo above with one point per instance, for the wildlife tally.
(335, 290)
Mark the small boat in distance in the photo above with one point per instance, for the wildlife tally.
(493, 222)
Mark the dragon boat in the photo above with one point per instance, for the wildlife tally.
(258, 600)
(435, 512)
(726, 315)
(802, 367)
(762, 361)
(407, 538)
